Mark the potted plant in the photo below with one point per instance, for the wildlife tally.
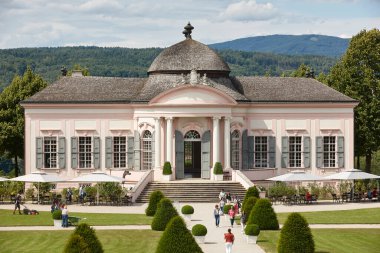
(167, 172)
(218, 171)
(57, 218)
(199, 232)
(252, 231)
(187, 211)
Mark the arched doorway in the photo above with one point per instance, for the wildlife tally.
(192, 154)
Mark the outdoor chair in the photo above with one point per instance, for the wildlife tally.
(34, 200)
(335, 198)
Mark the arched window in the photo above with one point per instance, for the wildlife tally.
(235, 150)
(192, 135)
(147, 150)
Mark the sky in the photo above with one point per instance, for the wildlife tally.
(159, 23)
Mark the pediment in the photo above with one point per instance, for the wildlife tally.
(193, 95)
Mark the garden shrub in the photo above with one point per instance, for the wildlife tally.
(177, 238)
(252, 229)
(199, 230)
(251, 192)
(167, 170)
(249, 204)
(165, 212)
(154, 198)
(263, 215)
(280, 189)
(226, 208)
(218, 168)
(187, 209)
(89, 237)
(76, 244)
(296, 236)
(57, 215)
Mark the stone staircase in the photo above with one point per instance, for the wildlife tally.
(188, 191)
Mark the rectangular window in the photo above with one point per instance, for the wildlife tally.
(235, 153)
(147, 154)
(295, 151)
(119, 152)
(261, 152)
(329, 151)
(50, 152)
(85, 152)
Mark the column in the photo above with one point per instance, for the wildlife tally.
(227, 142)
(157, 142)
(215, 140)
(169, 140)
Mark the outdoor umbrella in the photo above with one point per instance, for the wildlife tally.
(97, 177)
(296, 176)
(38, 177)
(352, 174)
(3, 179)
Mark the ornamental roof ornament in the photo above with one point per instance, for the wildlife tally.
(188, 29)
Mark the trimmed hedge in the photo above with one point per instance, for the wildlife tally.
(165, 212)
(76, 244)
(218, 168)
(199, 230)
(252, 229)
(57, 214)
(89, 237)
(187, 209)
(177, 238)
(263, 215)
(296, 236)
(226, 208)
(167, 170)
(154, 198)
(249, 204)
(251, 192)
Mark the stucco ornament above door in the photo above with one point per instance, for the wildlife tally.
(193, 95)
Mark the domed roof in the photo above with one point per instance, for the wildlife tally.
(186, 56)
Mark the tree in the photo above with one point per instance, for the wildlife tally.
(89, 237)
(263, 215)
(251, 192)
(12, 114)
(357, 75)
(303, 71)
(165, 212)
(154, 199)
(78, 67)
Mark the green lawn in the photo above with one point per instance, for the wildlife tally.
(7, 218)
(137, 241)
(359, 216)
(331, 240)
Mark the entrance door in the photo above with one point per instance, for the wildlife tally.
(192, 159)
(206, 138)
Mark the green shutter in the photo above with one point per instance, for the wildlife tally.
(74, 152)
(205, 146)
(340, 151)
(62, 152)
(272, 151)
(96, 153)
(284, 151)
(109, 151)
(130, 150)
(319, 151)
(306, 151)
(179, 156)
(244, 143)
(153, 150)
(137, 151)
(251, 152)
(39, 152)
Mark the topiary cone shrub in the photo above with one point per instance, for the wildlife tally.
(199, 230)
(249, 204)
(89, 238)
(187, 209)
(76, 244)
(218, 168)
(263, 215)
(154, 199)
(296, 236)
(252, 229)
(167, 170)
(177, 238)
(251, 192)
(165, 212)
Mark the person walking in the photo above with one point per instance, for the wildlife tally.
(17, 203)
(243, 220)
(217, 215)
(229, 239)
(65, 217)
(221, 204)
(231, 213)
(222, 194)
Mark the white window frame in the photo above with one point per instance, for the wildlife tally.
(120, 158)
(235, 150)
(298, 150)
(261, 156)
(48, 150)
(146, 150)
(332, 155)
(85, 156)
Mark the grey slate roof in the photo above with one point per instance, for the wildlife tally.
(141, 90)
(187, 55)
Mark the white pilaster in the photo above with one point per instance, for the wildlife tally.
(227, 142)
(215, 141)
(169, 140)
(157, 142)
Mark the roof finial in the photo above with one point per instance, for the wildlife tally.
(187, 30)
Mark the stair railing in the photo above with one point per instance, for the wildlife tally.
(141, 184)
(239, 176)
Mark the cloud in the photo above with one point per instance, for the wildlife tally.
(249, 11)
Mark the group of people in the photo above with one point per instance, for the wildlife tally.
(65, 212)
